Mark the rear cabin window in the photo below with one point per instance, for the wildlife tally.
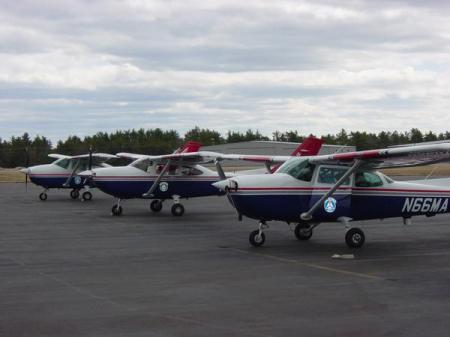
(190, 171)
(331, 175)
(367, 179)
(301, 170)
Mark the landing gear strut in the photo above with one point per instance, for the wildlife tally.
(177, 208)
(116, 210)
(74, 194)
(257, 237)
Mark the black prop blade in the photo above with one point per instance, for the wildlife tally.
(27, 163)
(90, 158)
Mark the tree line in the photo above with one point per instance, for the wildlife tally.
(23, 150)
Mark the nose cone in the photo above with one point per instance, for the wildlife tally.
(227, 185)
(87, 174)
(221, 185)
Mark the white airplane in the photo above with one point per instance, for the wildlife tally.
(176, 175)
(342, 187)
(63, 173)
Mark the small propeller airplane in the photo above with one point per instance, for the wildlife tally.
(176, 176)
(63, 173)
(341, 187)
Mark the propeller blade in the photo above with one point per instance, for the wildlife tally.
(90, 158)
(27, 163)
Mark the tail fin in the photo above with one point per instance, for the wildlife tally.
(310, 147)
(189, 146)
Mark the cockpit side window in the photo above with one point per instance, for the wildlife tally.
(331, 175)
(301, 170)
(64, 163)
(142, 164)
(367, 179)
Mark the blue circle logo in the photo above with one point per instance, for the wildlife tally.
(77, 180)
(163, 187)
(330, 205)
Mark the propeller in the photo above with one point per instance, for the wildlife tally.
(27, 163)
(90, 158)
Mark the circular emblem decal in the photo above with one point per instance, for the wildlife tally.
(330, 205)
(77, 180)
(163, 187)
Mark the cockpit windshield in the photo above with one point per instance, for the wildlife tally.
(299, 169)
(142, 164)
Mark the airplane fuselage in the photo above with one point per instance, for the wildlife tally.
(129, 182)
(283, 198)
(53, 176)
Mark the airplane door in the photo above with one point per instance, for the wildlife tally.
(339, 204)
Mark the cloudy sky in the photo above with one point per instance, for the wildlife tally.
(78, 67)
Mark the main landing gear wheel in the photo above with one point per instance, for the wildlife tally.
(355, 238)
(116, 210)
(156, 205)
(257, 238)
(43, 196)
(87, 196)
(303, 232)
(74, 194)
(177, 209)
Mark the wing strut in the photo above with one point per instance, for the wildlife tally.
(152, 189)
(75, 168)
(308, 215)
(219, 168)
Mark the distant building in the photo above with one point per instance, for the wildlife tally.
(268, 148)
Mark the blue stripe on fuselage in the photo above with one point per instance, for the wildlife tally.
(57, 182)
(131, 189)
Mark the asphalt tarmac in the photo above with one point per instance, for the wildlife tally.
(68, 268)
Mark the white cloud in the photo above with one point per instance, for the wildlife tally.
(314, 66)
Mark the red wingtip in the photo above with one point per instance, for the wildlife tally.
(189, 146)
(310, 147)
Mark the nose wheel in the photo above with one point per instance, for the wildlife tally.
(86, 196)
(177, 210)
(43, 196)
(355, 238)
(116, 210)
(257, 237)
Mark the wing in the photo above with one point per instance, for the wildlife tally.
(58, 156)
(98, 157)
(133, 156)
(390, 157)
(203, 157)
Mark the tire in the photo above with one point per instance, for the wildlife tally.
(116, 210)
(87, 196)
(355, 238)
(156, 205)
(302, 233)
(43, 196)
(255, 239)
(177, 209)
(74, 194)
